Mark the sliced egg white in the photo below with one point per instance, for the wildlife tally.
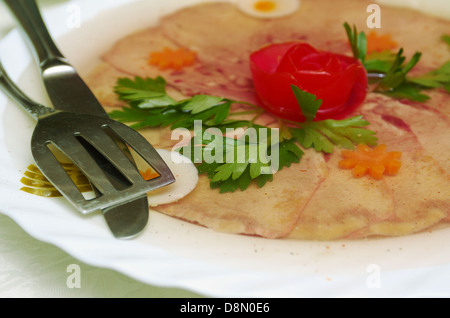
(186, 176)
(268, 8)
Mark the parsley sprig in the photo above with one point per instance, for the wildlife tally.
(244, 165)
(435, 79)
(393, 69)
(327, 134)
(358, 42)
(446, 39)
(238, 161)
(151, 106)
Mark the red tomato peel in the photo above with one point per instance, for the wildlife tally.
(339, 81)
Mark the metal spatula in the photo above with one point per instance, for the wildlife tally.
(68, 92)
(67, 132)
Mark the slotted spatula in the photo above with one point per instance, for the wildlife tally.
(68, 92)
(67, 131)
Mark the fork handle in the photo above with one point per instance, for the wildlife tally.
(28, 15)
(34, 109)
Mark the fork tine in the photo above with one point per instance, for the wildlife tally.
(110, 150)
(81, 132)
(70, 146)
(142, 147)
(53, 170)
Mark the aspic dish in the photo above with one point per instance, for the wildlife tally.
(237, 60)
(205, 261)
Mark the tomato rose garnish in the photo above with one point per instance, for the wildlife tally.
(339, 81)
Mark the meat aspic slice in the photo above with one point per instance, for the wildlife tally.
(413, 200)
(131, 56)
(313, 199)
(270, 212)
(421, 191)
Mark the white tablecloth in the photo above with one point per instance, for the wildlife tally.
(30, 268)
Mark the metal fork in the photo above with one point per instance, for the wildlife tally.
(67, 132)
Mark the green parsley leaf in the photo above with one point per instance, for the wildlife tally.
(407, 91)
(150, 106)
(396, 82)
(340, 133)
(446, 38)
(390, 70)
(307, 102)
(229, 170)
(447, 87)
(358, 42)
(144, 93)
(200, 103)
(400, 85)
(129, 114)
(379, 61)
(239, 162)
(149, 117)
(434, 79)
(396, 75)
(325, 135)
(289, 153)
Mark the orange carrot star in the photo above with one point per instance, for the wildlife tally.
(373, 161)
(175, 59)
(149, 174)
(379, 43)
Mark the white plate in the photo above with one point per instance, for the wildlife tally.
(173, 253)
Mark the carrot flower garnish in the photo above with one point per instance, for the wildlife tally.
(373, 161)
(379, 43)
(149, 174)
(175, 59)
